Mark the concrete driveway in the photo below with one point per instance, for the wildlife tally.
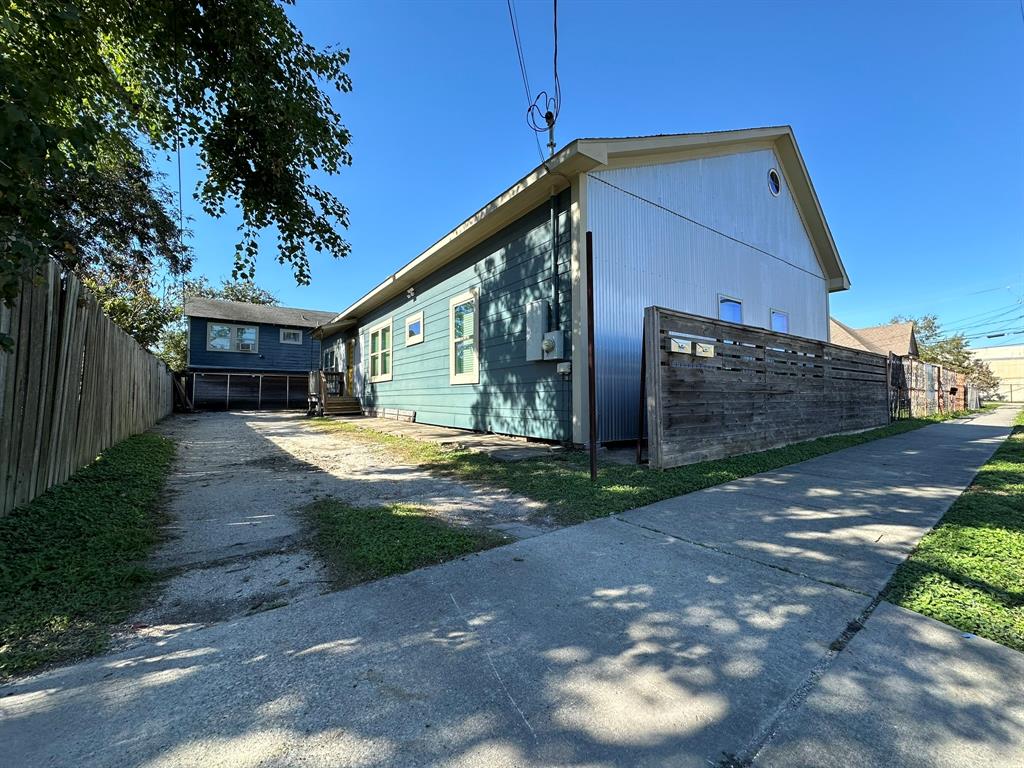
(720, 628)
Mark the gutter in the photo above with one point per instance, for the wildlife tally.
(529, 192)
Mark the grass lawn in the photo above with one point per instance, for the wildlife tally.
(563, 480)
(72, 563)
(969, 570)
(361, 544)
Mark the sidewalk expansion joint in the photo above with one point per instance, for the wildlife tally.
(727, 553)
(745, 757)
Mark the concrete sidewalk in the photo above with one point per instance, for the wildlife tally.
(714, 629)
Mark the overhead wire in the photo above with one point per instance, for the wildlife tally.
(543, 109)
(999, 319)
(523, 72)
(988, 312)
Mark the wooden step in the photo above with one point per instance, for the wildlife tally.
(348, 405)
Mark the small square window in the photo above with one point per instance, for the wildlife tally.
(730, 310)
(780, 321)
(414, 329)
(291, 336)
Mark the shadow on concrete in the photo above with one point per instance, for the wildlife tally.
(604, 644)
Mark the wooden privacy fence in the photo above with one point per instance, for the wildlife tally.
(716, 389)
(74, 385)
(922, 389)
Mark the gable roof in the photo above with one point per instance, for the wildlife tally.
(243, 312)
(583, 155)
(897, 338)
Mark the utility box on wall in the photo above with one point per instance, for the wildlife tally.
(542, 344)
(536, 327)
(554, 345)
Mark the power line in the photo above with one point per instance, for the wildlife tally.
(514, 20)
(992, 333)
(519, 50)
(994, 320)
(703, 225)
(988, 312)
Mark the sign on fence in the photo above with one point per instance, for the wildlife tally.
(716, 389)
(74, 385)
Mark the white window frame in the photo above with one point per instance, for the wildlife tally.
(330, 359)
(718, 307)
(234, 337)
(417, 339)
(772, 312)
(370, 355)
(283, 331)
(464, 378)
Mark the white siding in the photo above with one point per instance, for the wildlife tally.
(645, 255)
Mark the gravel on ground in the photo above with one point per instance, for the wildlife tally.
(238, 542)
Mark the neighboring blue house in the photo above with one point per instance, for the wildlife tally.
(486, 329)
(250, 355)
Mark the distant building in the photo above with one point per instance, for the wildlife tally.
(895, 338)
(250, 355)
(1006, 362)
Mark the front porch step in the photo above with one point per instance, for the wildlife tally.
(343, 405)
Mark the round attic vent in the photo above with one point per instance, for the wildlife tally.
(774, 182)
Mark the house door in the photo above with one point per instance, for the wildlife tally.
(350, 367)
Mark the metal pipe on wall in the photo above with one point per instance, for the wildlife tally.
(556, 313)
(591, 373)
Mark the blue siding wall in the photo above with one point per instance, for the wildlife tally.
(272, 355)
(514, 396)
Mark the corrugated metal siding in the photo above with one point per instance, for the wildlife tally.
(514, 396)
(272, 355)
(644, 255)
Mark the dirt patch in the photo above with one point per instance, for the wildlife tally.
(237, 540)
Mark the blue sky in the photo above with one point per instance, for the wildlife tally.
(910, 118)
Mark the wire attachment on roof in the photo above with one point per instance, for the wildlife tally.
(546, 107)
(542, 112)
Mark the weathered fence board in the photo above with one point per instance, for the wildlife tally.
(923, 389)
(754, 390)
(74, 385)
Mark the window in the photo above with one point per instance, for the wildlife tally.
(729, 309)
(774, 182)
(463, 351)
(380, 352)
(330, 360)
(780, 321)
(414, 329)
(225, 337)
(291, 336)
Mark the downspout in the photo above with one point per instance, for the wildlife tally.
(555, 303)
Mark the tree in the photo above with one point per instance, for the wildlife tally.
(949, 351)
(230, 290)
(173, 346)
(87, 85)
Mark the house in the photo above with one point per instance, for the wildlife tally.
(893, 338)
(1007, 363)
(250, 355)
(486, 329)
(917, 388)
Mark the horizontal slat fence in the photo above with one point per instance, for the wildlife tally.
(74, 385)
(756, 390)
